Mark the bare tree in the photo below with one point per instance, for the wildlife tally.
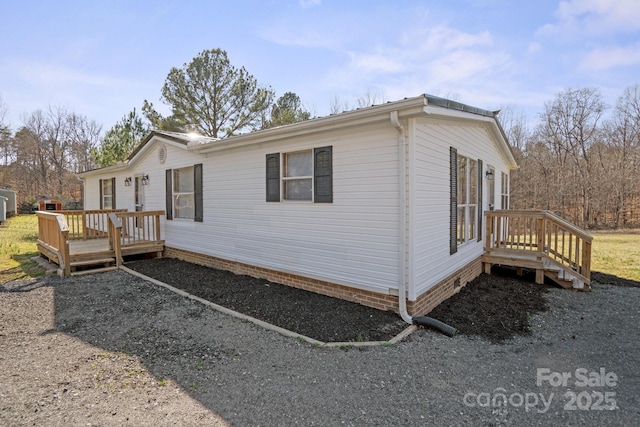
(570, 126)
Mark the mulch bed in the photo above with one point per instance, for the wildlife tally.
(495, 307)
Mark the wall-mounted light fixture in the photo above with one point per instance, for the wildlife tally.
(489, 175)
(145, 179)
(127, 181)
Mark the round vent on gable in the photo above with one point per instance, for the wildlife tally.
(162, 153)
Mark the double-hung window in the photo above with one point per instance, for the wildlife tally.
(466, 199)
(108, 193)
(297, 177)
(300, 176)
(184, 193)
(504, 191)
(183, 200)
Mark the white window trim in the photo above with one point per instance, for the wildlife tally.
(466, 205)
(175, 194)
(284, 179)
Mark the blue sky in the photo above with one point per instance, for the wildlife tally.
(101, 59)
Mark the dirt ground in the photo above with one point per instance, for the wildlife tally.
(495, 307)
(113, 349)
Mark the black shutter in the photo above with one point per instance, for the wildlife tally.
(323, 175)
(480, 213)
(273, 177)
(168, 194)
(453, 214)
(101, 198)
(113, 193)
(197, 192)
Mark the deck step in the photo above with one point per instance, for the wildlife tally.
(92, 262)
(93, 270)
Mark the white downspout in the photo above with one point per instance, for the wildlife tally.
(402, 244)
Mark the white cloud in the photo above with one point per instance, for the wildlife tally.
(437, 57)
(610, 57)
(306, 4)
(595, 17)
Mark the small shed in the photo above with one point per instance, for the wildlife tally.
(49, 205)
(3, 209)
(11, 207)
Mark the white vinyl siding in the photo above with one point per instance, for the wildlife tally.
(352, 241)
(430, 261)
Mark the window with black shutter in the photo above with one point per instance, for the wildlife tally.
(168, 194)
(197, 192)
(453, 204)
(273, 177)
(480, 213)
(323, 175)
(300, 176)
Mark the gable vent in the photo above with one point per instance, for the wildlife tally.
(162, 154)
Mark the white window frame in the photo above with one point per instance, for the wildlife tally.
(467, 200)
(177, 195)
(107, 183)
(504, 190)
(284, 179)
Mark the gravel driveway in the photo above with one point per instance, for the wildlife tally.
(114, 349)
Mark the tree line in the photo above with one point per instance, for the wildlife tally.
(581, 159)
(208, 95)
(577, 161)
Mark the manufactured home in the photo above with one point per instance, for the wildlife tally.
(384, 206)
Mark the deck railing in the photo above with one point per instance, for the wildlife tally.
(90, 224)
(518, 232)
(128, 232)
(140, 227)
(53, 239)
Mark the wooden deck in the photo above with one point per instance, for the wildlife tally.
(540, 241)
(82, 242)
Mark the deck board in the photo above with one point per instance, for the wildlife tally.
(83, 247)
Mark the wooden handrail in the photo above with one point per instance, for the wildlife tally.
(583, 234)
(53, 234)
(87, 224)
(140, 227)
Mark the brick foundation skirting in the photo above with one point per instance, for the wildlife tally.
(423, 305)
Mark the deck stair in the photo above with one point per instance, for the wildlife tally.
(540, 241)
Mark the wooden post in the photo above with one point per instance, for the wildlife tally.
(84, 226)
(115, 228)
(540, 235)
(63, 249)
(157, 220)
(586, 259)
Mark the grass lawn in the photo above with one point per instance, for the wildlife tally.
(18, 238)
(617, 254)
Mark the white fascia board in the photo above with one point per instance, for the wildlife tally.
(496, 131)
(113, 168)
(152, 143)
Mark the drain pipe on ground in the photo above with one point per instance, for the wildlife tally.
(402, 246)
